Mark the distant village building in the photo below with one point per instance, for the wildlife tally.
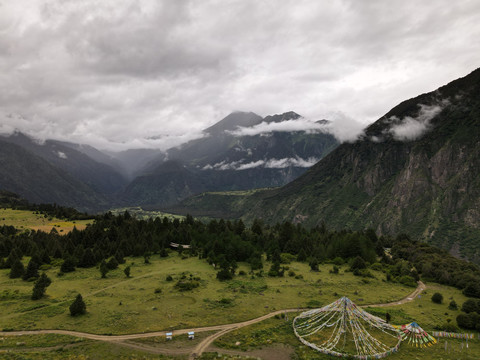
(176, 246)
(169, 336)
(191, 335)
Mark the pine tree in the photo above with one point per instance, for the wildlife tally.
(120, 257)
(12, 257)
(68, 265)
(78, 307)
(45, 258)
(40, 286)
(302, 255)
(103, 269)
(32, 270)
(126, 271)
(17, 269)
(146, 256)
(88, 259)
(388, 317)
(112, 264)
(163, 252)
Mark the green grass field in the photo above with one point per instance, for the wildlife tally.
(119, 305)
(147, 302)
(23, 219)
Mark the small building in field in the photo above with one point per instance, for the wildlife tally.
(169, 336)
(191, 335)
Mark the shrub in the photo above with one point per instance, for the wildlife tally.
(291, 273)
(469, 321)
(224, 274)
(126, 271)
(437, 298)
(334, 270)
(357, 264)
(453, 305)
(407, 280)
(286, 258)
(169, 278)
(470, 305)
(472, 290)
(158, 291)
(187, 285)
(338, 261)
(313, 264)
(363, 273)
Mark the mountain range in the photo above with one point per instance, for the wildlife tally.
(415, 170)
(223, 160)
(81, 176)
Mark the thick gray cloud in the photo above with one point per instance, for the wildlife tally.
(268, 163)
(134, 73)
(410, 128)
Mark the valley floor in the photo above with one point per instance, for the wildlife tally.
(136, 306)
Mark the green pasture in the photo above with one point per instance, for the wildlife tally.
(148, 302)
(24, 219)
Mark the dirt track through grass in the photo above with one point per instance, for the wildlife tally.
(201, 347)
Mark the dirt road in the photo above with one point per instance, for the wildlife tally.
(202, 346)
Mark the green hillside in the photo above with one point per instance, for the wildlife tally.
(428, 187)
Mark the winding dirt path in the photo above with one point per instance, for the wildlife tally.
(122, 340)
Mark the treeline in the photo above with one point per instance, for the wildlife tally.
(224, 243)
(15, 202)
(438, 265)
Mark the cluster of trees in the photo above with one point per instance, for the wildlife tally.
(471, 317)
(224, 243)
(437, 265)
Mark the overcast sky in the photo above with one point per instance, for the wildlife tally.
(114, 73)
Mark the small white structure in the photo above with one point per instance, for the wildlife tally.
(169, 336)
(191, 335)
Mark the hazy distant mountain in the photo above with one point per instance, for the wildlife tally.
(39, 181)
(223, 160)
(99, 176)
(133, 162)
(416, 170)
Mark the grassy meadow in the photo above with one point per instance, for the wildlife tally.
(23, 219)
(147, 301)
